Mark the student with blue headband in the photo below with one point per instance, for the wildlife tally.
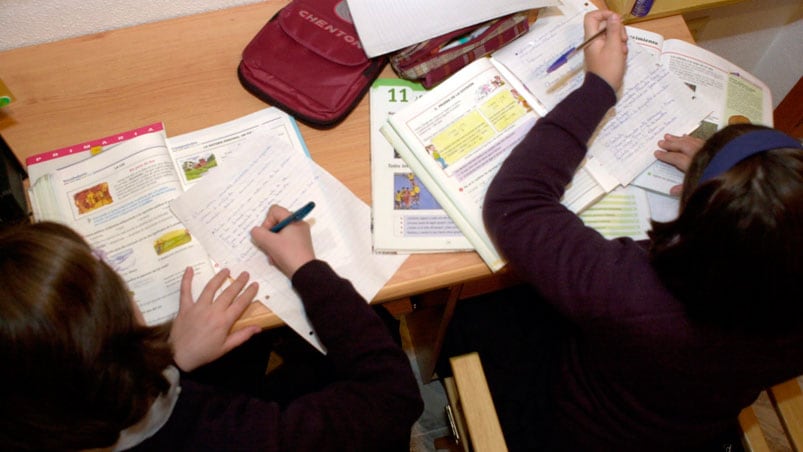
(619, 345)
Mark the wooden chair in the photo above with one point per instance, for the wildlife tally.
(775, 421)
(472, 416)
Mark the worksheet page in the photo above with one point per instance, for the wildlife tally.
(221, 212)
(650, 103)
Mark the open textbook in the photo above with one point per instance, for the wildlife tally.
(406, 218)
(457, 135)
(115, 192)
(117, 200)
(732, 94)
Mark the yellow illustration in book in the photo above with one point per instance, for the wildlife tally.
(92, 198)
(170, 240)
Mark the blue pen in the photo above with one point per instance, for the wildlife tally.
(572, 51)
(298, 215)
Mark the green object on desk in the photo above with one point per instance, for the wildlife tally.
(5, 95)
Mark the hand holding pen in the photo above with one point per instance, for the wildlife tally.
(608, 47)
(572, 52)
(290, 249)
(298, 215)
(606, 55)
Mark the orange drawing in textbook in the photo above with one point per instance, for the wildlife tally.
(93, 198)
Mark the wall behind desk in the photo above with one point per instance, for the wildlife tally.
(765, 37)
(28, 22)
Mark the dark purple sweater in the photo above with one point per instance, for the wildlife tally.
(371, 408)
(636, 373)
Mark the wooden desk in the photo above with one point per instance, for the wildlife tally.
(663, 8)
(183, 72)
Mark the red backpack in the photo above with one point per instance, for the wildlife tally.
(308, 61)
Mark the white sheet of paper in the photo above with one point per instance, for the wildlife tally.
(221, 212)
(391, 25)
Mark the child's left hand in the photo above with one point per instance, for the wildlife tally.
(201, 332)
(678, 151)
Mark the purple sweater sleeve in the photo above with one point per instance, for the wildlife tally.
(545, 243)
(376, 399)
(372, 405)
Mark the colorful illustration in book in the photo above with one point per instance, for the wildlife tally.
(410, 193)
(521, 100)
(436, 155)
(492, 85)
(170, 240)
(738, 119)
(196, 167)
(93, 198)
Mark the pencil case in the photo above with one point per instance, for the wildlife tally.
(308, 61)
(432, 61)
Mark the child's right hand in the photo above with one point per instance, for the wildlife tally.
(288, 249)
(606, 56)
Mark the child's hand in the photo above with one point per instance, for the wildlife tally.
(678, 151)
(606, 56)
(288, 249)
(201, 332)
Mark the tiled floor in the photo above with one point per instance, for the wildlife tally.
(432, 423)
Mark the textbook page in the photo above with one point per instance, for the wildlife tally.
(624, 212)
(221, 212)
(386, 26)
(40, 164)
(200, 152)
(118, 201)
(456, 137)
(651, 102)
(734, 94)
(406, 218)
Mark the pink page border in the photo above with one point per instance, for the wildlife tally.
(83, 147)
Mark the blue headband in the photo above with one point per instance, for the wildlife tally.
(744, 146)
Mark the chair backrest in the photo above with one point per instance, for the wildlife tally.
(775, 421)
(475, 423)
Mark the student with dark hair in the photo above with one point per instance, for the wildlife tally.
(82, 371)
(617, 345)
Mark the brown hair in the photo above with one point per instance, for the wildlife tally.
(734, 255)
(77, 367)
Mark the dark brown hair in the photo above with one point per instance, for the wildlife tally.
(77, 368)
(734, 255)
